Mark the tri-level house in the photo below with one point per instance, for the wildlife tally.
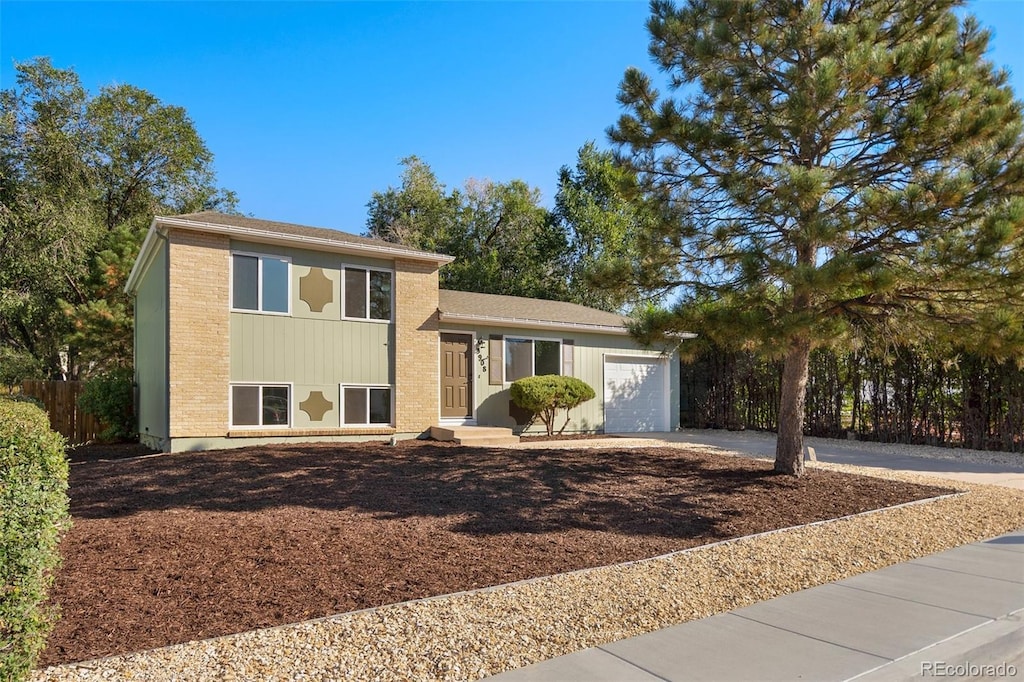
(251, 331)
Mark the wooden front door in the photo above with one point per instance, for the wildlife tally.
(456, 376)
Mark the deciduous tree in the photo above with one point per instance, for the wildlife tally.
(80, 180)
(602, 214)
(46, 230)
(504, 242)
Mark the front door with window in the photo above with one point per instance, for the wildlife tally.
(456, 376)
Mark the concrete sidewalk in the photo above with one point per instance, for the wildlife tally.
(957, 614)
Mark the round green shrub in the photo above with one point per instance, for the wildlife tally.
(33, 515)
(545, 395)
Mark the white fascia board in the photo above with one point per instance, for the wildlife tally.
(525, 323)
(316, 243)
(143, 260)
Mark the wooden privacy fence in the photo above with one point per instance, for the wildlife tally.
(60, 399)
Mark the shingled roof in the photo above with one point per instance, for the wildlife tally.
(272, 232)
(256, 227)
(495, 309)
(241, 221)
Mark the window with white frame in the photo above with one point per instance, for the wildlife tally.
(260, 283)
(260, 405)
(366, 405)
(531, 357)
(367, 294)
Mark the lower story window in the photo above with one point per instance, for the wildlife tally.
(531, 357)
(366, 405)
(259, 405)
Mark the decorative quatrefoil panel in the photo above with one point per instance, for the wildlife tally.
(316, 289)
(316, 406)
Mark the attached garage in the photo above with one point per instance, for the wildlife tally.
(508, 337)
(636, 395)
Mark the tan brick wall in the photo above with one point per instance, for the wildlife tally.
(199, 339)
(416, 337)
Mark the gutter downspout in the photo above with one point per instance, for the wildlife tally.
(166, 438)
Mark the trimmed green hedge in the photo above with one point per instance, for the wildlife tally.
(545, 395)
(33, 515)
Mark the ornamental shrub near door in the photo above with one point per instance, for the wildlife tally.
(545, 395)
(33, 516)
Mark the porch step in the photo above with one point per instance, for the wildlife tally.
(474, 435)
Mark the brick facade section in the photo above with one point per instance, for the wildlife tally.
(198, 338)
(417, 387)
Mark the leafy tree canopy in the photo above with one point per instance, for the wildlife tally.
(603, 215)
(80, 179)
(504, 242)
(825, 167)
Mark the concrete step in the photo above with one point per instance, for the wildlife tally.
(498, 442)
(474, 435)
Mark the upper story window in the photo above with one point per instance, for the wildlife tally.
(531, 357)
(367, 294)
(260, 283)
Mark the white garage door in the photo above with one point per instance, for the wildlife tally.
(635, 394)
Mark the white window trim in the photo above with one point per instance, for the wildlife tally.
(259, 283)
(341, 404)
(471, 419)
(261, 384)
(533, 356)
(367, 269)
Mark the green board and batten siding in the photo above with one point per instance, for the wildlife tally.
(313, 350)
(290, 349)
(151, 351)
(312, 259)
(307, 347)
(589, 351)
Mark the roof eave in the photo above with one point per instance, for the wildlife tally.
(142, 261)
(319, 243)
(527, 323)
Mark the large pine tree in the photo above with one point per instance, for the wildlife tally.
(827, 166)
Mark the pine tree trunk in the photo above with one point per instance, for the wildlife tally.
(789, 448)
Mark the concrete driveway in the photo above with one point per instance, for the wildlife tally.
(961, 465)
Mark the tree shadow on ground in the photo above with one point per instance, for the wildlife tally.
(665, 492)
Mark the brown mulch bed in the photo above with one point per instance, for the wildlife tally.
(179, 547)
(95, 452)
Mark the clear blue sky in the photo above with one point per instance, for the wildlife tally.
(308, 107)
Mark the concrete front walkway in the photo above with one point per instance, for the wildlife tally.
(956, 614)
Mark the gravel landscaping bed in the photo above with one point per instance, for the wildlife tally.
(472, 635)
